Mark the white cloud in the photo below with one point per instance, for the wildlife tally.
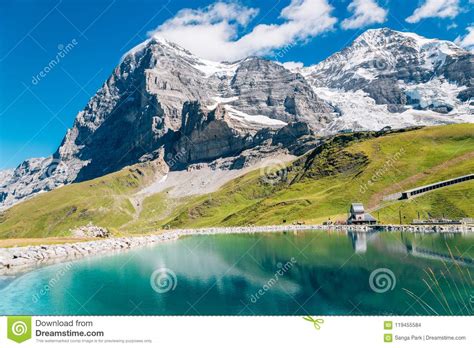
(452, 26)
(467, 41)
(435, 8)
(365, 12)
(212, 32)
(292, 66)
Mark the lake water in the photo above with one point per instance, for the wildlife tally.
(316, 272)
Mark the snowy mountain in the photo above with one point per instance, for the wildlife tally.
(386, 77)
(162, 102)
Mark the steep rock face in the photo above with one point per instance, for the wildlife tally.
(32, 176)
(133, 112)
(385, 91)
(288, 134)
(297, 137)
(162, 101)
(206, 135)
(458, 68)
(266, 88)
(141, 107)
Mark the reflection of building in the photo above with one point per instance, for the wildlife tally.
(409, 246)
(437, 255)
(359, 241)
(358, 216)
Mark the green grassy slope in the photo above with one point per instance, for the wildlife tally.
(103, 201)
(362, 167)
(323, 184)
(453, 202)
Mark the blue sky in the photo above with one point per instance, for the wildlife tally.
(87, 39)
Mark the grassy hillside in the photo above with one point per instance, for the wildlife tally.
(361, 167)
(104, 201)
(452, 202)
(322, 184)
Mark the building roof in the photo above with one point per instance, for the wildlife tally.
(357, 207)
(369, 217)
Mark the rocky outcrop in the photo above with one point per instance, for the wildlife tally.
(207, 135)
(31, 177)
(467, 95)
(267, 88)
(386, 91)
(90, 230)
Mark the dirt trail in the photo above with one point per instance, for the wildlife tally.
(196, 181)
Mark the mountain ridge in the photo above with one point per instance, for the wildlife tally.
(161, 101)
(313, 188)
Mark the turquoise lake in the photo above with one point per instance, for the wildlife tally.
(315, 272)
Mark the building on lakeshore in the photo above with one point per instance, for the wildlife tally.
(358, 216)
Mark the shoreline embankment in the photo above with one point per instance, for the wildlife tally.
(19, 259)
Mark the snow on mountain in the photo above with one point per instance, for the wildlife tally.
(162, 100)
(209, 68)
(170, 49)
(249, 121)
(358, 111)
(383, 53)
(400, 77)
(221, 101)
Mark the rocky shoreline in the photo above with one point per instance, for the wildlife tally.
(20, 259)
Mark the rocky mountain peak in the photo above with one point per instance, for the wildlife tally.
(385, 38)
(385, 52)
(162, 100)
(390, 66)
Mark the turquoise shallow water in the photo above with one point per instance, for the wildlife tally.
(315, 272)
